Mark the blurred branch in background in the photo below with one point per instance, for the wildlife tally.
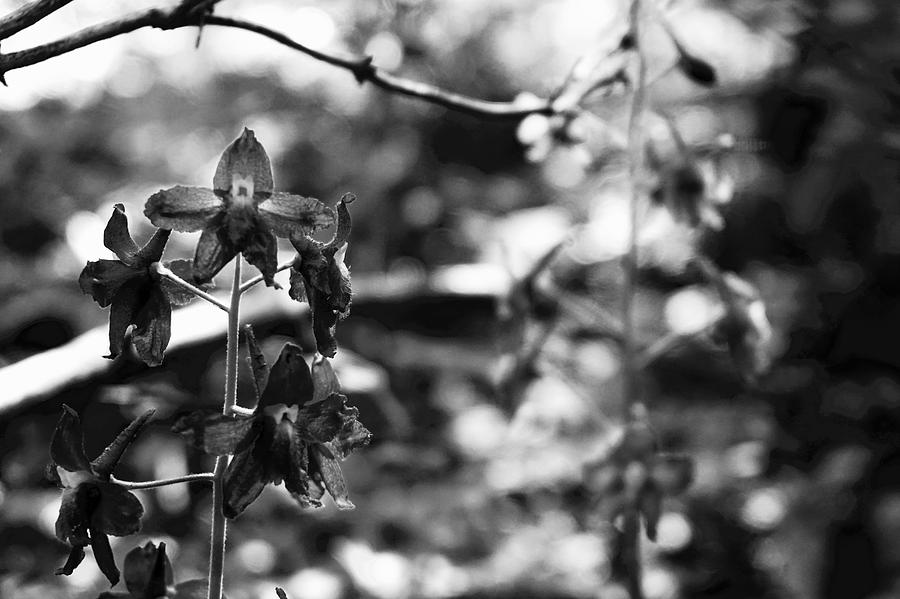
(194, 13)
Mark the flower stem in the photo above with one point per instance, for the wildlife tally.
(259, 278)
(163, 482)
(630, 540)
(217, 536)
(167, 273)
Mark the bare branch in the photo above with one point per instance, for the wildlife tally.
(27, 15)
(195, 13)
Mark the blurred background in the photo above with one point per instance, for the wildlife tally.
(473, 486)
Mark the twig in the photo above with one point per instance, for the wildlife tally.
(27, 15)
(152, 484)
(361, 68)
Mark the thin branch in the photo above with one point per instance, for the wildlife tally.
(27, 15)
(191, 13)
(152, 484)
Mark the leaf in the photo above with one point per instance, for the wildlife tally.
(116, 237)
(183, 208)
(245, 158)
(104, 465)
(67, 443)
(217, 434)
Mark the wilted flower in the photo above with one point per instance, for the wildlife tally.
(744, 326)
(148, 575)
(300, 430)
(634, 476)
(241, 213)
(320, 277)
(92, 506)
(136, 293)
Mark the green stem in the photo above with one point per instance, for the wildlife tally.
(165, 272)
(217, 540)
(259, 278)
(630, 541)
(163, 482)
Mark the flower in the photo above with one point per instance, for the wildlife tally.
(743, 327)
(635, 477)
(148, 575)
(300, 430)
(92, 507)
(134, 290)
(320, 277)
(241, 213)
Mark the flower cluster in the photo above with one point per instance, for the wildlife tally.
(300, 430)
(242, 213)
(635, 477)
(92, 506)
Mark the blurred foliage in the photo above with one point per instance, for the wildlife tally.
(473, 488)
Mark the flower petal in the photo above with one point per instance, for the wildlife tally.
(104, 465)
(217, 434)
(75, 511)
(261, 250)
(325, 381)
(289, 381)
(104, 278)
(297, 288)
(297, 479)
(257, 361)
(247, 159)
(287, 214)
(344, 222)
(650, 506)
(153, 249)
(67, 444)
(104, 556)
(121, 316)
(183, 208)
(332, 420)
(119, 511)
(214, 251)
(176, 294)
(148, 571)
(76, 556)
(324, 321)
(330, 473)
(245, 479)
(153, 328)
(116, 237)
